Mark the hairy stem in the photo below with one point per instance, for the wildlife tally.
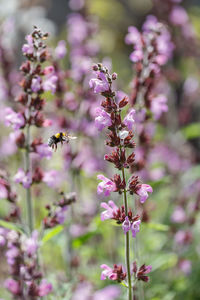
(127, 250)
(29, 205)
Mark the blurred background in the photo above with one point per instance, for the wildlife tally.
(169, 236)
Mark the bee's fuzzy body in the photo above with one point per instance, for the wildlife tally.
(57, 138)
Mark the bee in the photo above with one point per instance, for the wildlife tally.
(60, 137)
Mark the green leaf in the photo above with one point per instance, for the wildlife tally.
(191, 131)
(157, 226)
(11, 226)
(50, 233)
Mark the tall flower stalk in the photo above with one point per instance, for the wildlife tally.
(120, 137)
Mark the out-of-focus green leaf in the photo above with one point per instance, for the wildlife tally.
(157, 226)
(164, 261)
(192, 174)
(191, 131)
(51, 233)
(11, 226)
(78, 242)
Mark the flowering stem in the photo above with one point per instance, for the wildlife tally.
(29, 205)
(127, 251)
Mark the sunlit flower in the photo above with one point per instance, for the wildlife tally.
(110, 209)
(102, 119)
(106, 186)
(143, 192)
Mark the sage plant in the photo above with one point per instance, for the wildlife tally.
(120, 140)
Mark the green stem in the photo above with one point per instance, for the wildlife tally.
(127, 250)
(30, 214)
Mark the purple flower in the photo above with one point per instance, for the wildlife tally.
(178, 16)
(60, 50)
(111, 292)
(135, 228)
(129, 119)
(60, 214)
(185, 266)
(126, 225)
(44, 288)
(13, 286)
(44, 151)
(136, 55)
(102, 119)
(99, 84)
(28, 48)
(3, 191)
(143, 192)
(76, 4)
(133, 36)
(13, 119)
(158, 106)
(23, 178)
(108, 272)
(106, 186)
(51, 178)
(178, 215)
(31, 244)
(50, 81)
(111, 208)
(36, 84)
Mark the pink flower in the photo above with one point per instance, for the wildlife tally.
(60, 50)
(36, 84)
(111, 292)
(129, 119)
(135, 228)
(13, 119)
(107, 186)
(136, 55)
(133, 36)
(126, 225)
(31, 244)
(178, 215)
(3, 191)
(143, 192)
(13, 286)
(111, 208)
(44, 151)
(23, 178)
(102, 119)
(50, 81)
(108, 272)
(44, 288)
(185, 266)
(178, 16)
(99, 84)
(28, 48)
(51, 178)
(158, 106)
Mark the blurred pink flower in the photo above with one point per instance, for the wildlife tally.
(61, 50)
(13, 119)
(185, 266)
(28, 48)
(179, 215)
(13, 286)
(30, 245)
(36, 84)
(178, 15)
(52, 178)
(158, 106)
(44, 288)
(111, 292)
(44, 151)
(24, 178)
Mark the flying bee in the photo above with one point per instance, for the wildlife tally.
(60, 137)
